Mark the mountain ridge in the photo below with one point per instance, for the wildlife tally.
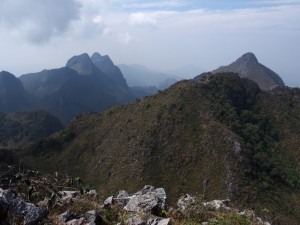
(79, 87)
(220, 136)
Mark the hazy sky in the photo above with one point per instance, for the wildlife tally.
(44, 34)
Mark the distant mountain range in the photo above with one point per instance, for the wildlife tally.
(85, 84)
(79, 87)
(141, 76)
(94, 83)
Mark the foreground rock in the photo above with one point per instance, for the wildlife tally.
(149, 200)
(71, 204)
(144, 207)
(186, 202)
(217, 205)
(91, 217)
(11, 204)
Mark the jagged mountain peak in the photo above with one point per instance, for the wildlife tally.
(105, 64)
(248, 66)
(96, 55)
(248, 57)
(81, 63)
(101, 61)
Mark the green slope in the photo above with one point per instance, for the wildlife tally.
(22, 128)
(219, 137)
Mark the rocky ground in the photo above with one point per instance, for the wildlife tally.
(27, 197)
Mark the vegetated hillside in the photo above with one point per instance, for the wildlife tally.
(218, 137)
(79, 87)
(22, 128)
(248, 66)
(13, 97)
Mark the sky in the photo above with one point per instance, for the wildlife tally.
(162, 35)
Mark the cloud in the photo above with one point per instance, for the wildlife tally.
(158, 4)
(88, 27)
(38, 21)
(142, 19)
(125, 38)
(276, 2)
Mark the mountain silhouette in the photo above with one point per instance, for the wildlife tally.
(13, 97)
(79, 87)
(248, 66)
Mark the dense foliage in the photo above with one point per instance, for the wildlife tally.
(19, 129)
(237, 103)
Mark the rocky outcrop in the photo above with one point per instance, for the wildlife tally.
(10, 203)
(62, 201)
(148, 200)
(217, 204)
(144, 207)
(91, 217)
(185, 202)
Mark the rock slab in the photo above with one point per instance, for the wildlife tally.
(30, 213)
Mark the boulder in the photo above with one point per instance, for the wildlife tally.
(121, 199)
(185, 202)
(217, 204)
(148, 200)
(107, 202)
(158, 221)
(66, 216)
(80, 221)
(17, 206)
(92, 193)
(138, 220)
(65, 195)
(89, 218)
(135, 220)
(92, 218)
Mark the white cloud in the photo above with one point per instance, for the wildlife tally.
(158, 4)
(125, 38)
(98, 20)
(38, 21)
(142, 19)
(276, 2)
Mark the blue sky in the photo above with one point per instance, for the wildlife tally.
(196, 4)
(162, 35)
